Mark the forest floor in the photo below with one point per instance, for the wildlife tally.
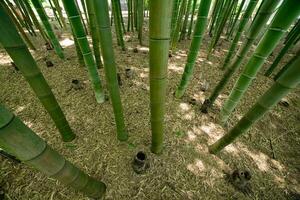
(185, 170)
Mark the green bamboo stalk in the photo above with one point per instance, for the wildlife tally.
(85, 11)
(110, 69)
(78, 51)
(140, 20)
(285, 16)
(128, 15)
(199, 31)
(291, 32)
(79, 33)
(284, 50)
(118, 27)
(236, 18)
(36, 22)
(20, 141)
(287, 66)
(54, 41)
(17, 24)
(176, 4)
(159, 33)
(17, 15)
(231, 18)
(135, 13)
(178, 25)
(242, 25)
(60, 13)
(192, 19)
(94, 32)
(265, 12)
(185, 21)
(21, 56)
(220, 27)
(25, 15)
(132, 15)
(81, 17)
(55, 14)
(288, 81)
(215, 15)
(121, 15)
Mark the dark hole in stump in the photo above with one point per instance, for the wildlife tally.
(135, 50)
(49, 63)
(193, 101)
(141, 156)
(75, 81)
(128, 73)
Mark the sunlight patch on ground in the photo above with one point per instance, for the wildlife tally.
(19, 109)
(213, 131)
(144, 75)
(191, 136)
(184, 106)
(4, 59)
(173, 67)
(66, 42)
(197, 167)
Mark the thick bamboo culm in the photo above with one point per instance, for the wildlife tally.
(17, 50)
(285, 16)
(159, 36)
(20, 141)
(110, 68)
(44, 18)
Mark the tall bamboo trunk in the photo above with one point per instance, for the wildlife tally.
(17, 24)
(236, 18)
(79, 34)
(194, 48)
(102, 18)
(118, 26)
(19, 53)
(44, 18)
(159, 33)
(94, 32)
(19, 140)
(289, 80)
(266, 11)
(285, 16)
(192, 19)
(178, 25)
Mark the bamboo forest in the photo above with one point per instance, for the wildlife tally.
(149, 99)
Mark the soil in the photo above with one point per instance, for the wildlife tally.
(185, 169)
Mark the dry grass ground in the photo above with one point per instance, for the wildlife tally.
(185, 170)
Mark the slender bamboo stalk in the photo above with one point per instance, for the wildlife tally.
(21, 56)
(20, 141)
(81, 17)
(266, 11)
(242, 25)
(220, 28)
(17, 15)
(128, 15)
(55, 14)
(176, 4)
(289, 80)
(185, 21)
(26, 17)
(79, 34)
(192, 19)
(60, 13)
(140, 20)
(54, 41)
(118, 27)
(94, 32)
(82, 2)
(159, 28)
(36, 22)
(215, 15)
(176, 34)
(199, 30)
(288, 65)
(284, 50)
(291, 32)
(231, 18)
(110, 69)
(17, 24)
(121, 15)
(285, 16)
(236, 18)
